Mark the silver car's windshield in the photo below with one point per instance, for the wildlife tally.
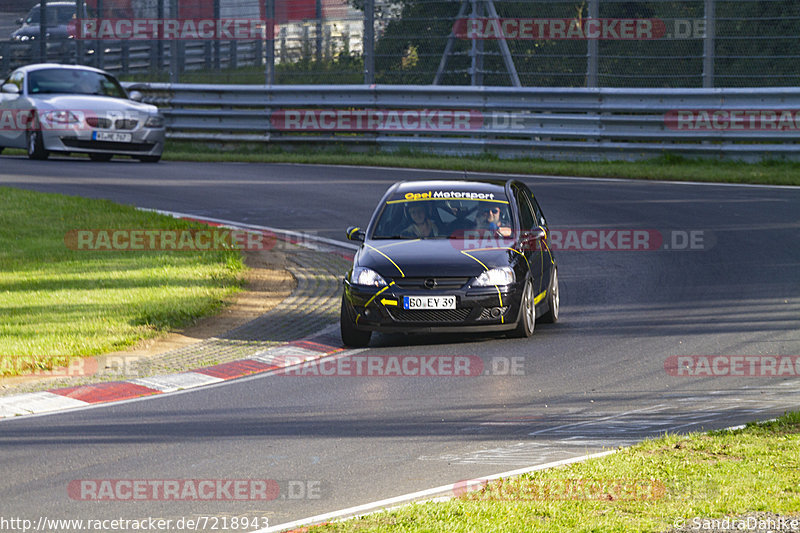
(73, 81)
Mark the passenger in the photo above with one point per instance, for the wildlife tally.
(422, 226)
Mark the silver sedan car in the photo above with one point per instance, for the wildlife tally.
(49, 107)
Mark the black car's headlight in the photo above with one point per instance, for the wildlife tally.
(367, 277)
(154, 122)
(495, 276)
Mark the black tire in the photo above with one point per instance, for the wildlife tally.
(36, 145)
(150, 158)
(553, 301)
(527, 313)
(351, 336)
(101, 158)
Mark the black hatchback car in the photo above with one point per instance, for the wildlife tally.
(449, 256)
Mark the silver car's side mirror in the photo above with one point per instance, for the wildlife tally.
(10, 88)
(136, 96)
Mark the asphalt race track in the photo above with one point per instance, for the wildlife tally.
(597, 379)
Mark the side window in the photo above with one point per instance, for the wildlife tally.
(527, 220)
(538, 211)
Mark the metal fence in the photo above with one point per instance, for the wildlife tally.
(527, 43)
(568, 123)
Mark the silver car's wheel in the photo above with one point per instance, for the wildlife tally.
(553, 301)
(527, 314)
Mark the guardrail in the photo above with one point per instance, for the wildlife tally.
(555, 123)
(135, 57)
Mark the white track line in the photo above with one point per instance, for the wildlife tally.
(423, 495)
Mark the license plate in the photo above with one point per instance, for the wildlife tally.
(111, 136)
(429, 302)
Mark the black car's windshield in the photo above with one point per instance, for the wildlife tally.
(439, 218)
(73, 81)
(55, 15)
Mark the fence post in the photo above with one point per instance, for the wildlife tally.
(217, 16)
(269, 36)
(369, 42)
(709, 44)
(79, 15)
(100, 49)
(318, 31)
(174, 60)
(43, 31)
(159, 41)
(593, 49)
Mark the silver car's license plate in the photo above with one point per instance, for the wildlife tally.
(111, 136)
(429, 302)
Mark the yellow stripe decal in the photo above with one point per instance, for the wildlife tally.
(396, 243)
(377, 294)
(387, 257)
(499, 295)
(442, 199)
(539, 298)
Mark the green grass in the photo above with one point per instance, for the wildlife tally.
(58, 302)
(666, 167)
(711, 475)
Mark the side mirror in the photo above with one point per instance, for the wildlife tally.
(532, 239)
(136, 96)
(354, 233)
(20, 21)
(10, 88)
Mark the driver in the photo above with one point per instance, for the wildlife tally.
(488, 218)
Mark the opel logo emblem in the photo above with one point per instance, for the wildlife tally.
(430, 283)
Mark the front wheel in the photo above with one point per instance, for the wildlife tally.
(351, 336)
(36, 145)
(527, 312)
(553, 302)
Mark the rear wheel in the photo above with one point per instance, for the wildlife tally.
(527, 312)
(101, 157)
(553, 302)
(36, 145)
(351, 336)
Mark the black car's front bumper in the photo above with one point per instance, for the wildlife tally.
(477, 309)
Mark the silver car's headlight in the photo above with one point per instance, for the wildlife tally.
(154, 122)
(367, 277)
(495, 276)
(61, 117)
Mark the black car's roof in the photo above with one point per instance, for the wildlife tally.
(449, 188)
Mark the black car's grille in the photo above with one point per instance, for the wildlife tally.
(437, 283)
(98, 122)
(108, 145)
(429, 315)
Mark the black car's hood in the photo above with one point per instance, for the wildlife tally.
(428, 257)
